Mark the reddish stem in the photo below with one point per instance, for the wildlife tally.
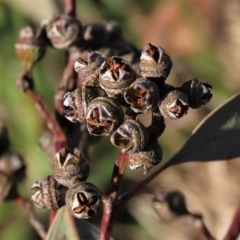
(234, 228)
(204, 230)
(110, 198)
(25, 83)
(70, 7)
(67, 83)
(27, 208)
(123, 199)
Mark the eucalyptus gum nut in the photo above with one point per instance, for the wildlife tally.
(154, 62)
(63, 31)
(75, 103)
(83, 200)
(12, 171)
(29, 48)
(95, 60)
(142, 95)
(146, 158)
(104, 116)
(174, 105)
(199, 93)
(12, 165)
(115, 76)
(88, 72)
(131, 136)
(48, 193)
(70, 167)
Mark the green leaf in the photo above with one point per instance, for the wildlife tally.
(216, 138)
(66, 227)
(63, 227)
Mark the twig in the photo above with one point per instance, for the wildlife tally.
(123, 199)
(109, 199)
(25, 83)
(234, 228)
(67, 83)
(27, 208)
(206, 232)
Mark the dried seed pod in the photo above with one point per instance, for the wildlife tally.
(88, 73)
(29, 48)
(63, 31)
(75, 103)
(199, 93)
(12, 171)
(8, 189)
(131, 136)
(70, 167)
(154, 62)
(115, 76)
(83, 200)
(95, 36)
(104, 116)
(12, 165)
(48, 193)
(174, 105)
(147, 158)
(142, 95)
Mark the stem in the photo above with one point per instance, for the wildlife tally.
(110, 198)
(68, 83)
(27, 208)
(70, 7)
(123, 199)
(204, 230)
(25, 83)
(234, 228)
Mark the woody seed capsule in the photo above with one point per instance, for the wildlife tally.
(12, 171)
(142, 95)
(131, 136)
(83, 200)
(29, 48)
(147, 158)
(115, 76)
(199, 93)
(88, 73)
(70, 167)
(104, 116)
(174, 105)
(75, 103)
(48, 193)
(63, 31)
(154, 62)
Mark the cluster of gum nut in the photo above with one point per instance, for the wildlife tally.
(109, 86)
(112, 97)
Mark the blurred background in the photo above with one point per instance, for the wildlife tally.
(203, 39)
